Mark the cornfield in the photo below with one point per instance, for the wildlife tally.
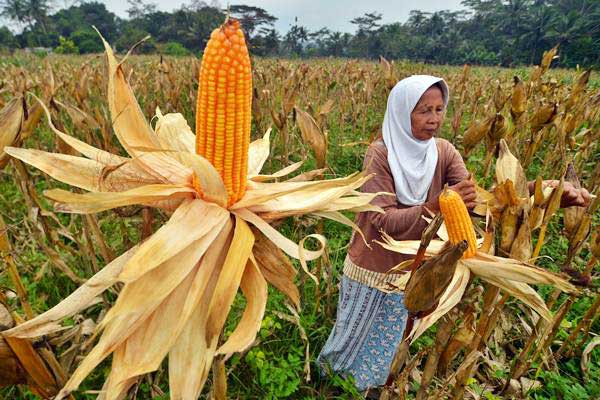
(494, 335)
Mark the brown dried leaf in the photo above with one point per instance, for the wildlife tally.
(521, 247)
(508, 167)
(313, 136)
(427, 283)
(11, 120)
(276, 267)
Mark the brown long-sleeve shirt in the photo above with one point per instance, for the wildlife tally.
(399, 221)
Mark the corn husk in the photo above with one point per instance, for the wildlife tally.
(11, 120)
(508, 167)
(195, 263)
(427, 283)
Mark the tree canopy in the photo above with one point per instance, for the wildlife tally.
(492, 32)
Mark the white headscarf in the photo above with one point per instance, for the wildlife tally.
(412, 161)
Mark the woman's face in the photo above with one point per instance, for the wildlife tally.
(426, 118)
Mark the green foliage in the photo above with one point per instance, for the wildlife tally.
(485, 32)
(174, 49)
(66, 46)
(87, 41)
(131, 36)
(7, 39)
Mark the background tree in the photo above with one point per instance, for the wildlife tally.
(489, 32)
(251, 18)
(294, 40)
(139, 8)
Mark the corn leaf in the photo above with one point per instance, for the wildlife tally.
(94, 202)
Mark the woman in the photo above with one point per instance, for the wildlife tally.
(414, 165)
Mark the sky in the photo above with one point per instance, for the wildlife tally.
(316, 14)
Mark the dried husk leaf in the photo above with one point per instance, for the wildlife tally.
(476, 132)
(140, 335)
(342, 219)
(163, 166)
(179, 232)
(410, 247)
(290, 198)
(83, 173)
(536, 216)
(191, 351)
(94, 202)
(545, 114)
(427, 283)
(508, 167)
(85, 149)
(309, 200)
(254, 288)
(49, 321)
(258, 153)
(286, 171)
(518, 98)
(129, 124)
(289, 247)
(276, 267)
(553, 202)
(145, 346)
(313, 136)
(521, 247)
(487, 266)
(585, 355)
(522, 292)
(11, 119)
(452, 295)
(174, 133)
(508, 224)
(80, 118)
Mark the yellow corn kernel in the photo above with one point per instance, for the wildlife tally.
(223, 107)
(458, 222)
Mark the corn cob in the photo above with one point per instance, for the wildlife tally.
(224, 105)
(458, 222)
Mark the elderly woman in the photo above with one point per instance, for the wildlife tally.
(414, 165)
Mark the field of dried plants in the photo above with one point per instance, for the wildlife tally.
(494, 341)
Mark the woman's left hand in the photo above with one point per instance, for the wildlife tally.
(571, 195)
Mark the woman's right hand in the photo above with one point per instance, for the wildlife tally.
(466, 190)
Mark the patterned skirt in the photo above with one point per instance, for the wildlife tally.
(369, 325)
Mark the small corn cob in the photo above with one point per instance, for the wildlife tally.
(224, 105)
(458, 222)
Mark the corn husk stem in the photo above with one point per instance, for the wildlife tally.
(567, 347)
(551, 332)
(444, 332)
(540, 241)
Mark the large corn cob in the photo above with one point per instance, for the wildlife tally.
(224, 105)
(458, 222)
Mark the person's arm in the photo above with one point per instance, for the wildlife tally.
(456, 176)
(456, 170)
(571, 195)
(397, 220)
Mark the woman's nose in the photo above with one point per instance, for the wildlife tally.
(436, 118)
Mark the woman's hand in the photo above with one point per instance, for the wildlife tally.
(466, 190)
(571, 195)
